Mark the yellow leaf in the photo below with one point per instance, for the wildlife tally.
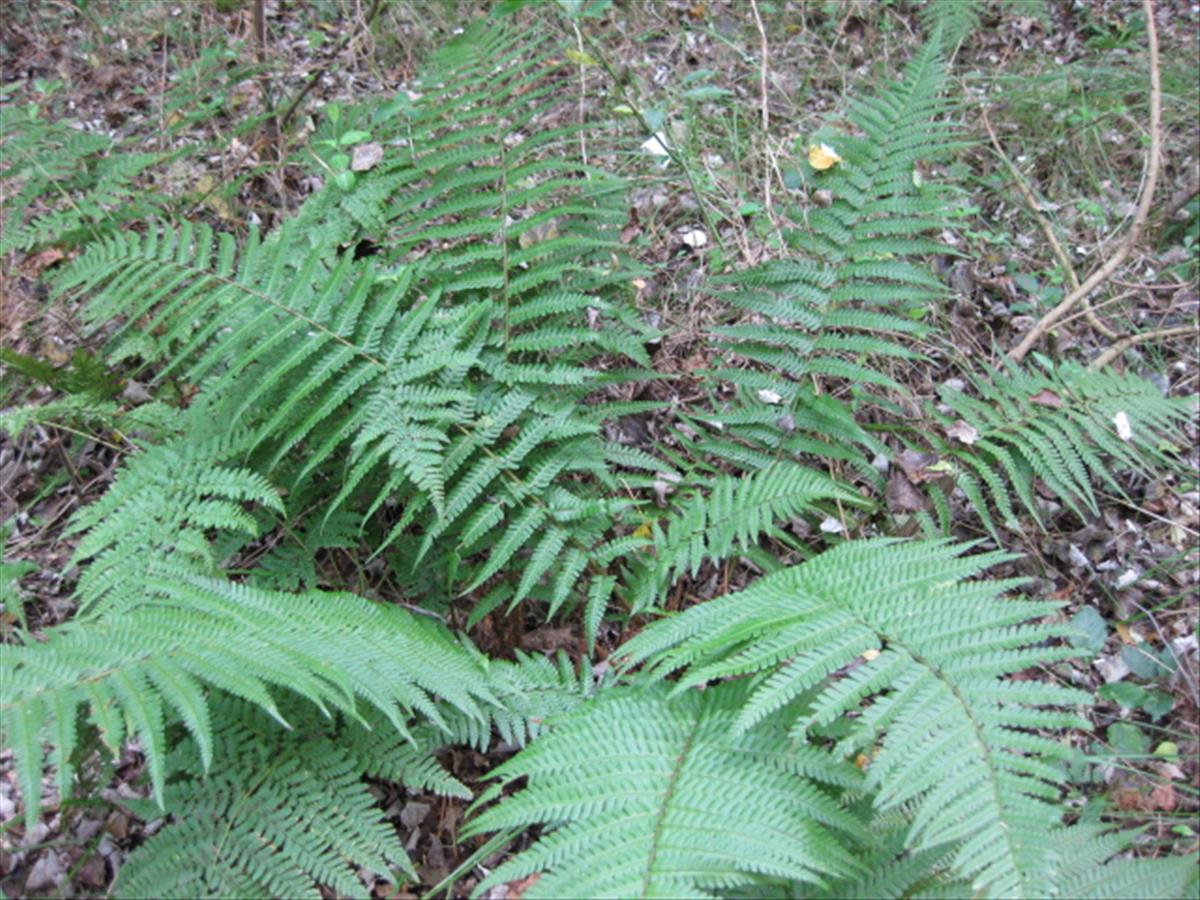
(822, 157)
(1127, 634)
(580, 58)
(862, 761)
(871, 654)
(642, 531)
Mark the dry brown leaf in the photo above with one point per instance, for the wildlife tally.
(915, 464)
(366, 157)
(901, 496)
(962, 432)
(1047, 397)
(1163, 797)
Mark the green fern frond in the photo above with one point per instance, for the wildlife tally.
(1062, 425)
(281, 814)
(82, 180)
(1084, 861)
(851, 296)
(160, 508)
(652, 797)
(732, 515)
(956, 20)
(530, 691)
(927, 658)
(152, 662)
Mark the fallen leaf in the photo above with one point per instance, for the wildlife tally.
(901, 496)
(656, 145)
(695, 238)
(45, 259)
(47, 873)
(1047, 397)
(822, 157)
(548, 639)
(580, 58)
(366, 157)
(961, 431)
(915, 463)
(1131, 799)
(1163, 797)
(832, 526)
(517, 889)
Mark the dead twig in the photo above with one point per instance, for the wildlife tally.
(763, 64)
(1051, 238)
(1114, 352)
(1154, 159)
(1180, 199)
(582, 91)
(264, 81)
(288, 112)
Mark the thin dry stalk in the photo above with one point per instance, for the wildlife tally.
(763, 71)
(1153, 162)
(1044, 224)
(1114, 352)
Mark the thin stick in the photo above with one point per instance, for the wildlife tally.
(582, 92)
(1115, 351)
(321, 70)
(1124, 295)
(1154, 159)
(1057, 248)
(765, 111)
(1180, 199)
(264, 80)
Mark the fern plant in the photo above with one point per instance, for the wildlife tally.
(425, 381)
(855, 291)
(957, 20)
(1064, 426)
(858, 721)
(182, 635)
(656, 798)
(879, 652)
(246, 829)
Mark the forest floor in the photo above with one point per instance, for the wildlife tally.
(1065, 95)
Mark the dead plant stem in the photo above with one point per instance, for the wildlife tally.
(1048, 230)
(1154, 159)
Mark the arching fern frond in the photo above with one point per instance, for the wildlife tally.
(651, 797)
(732, 515)
(281, 813)
(529, 691)
(160, 509)
(927, 656)
(852, 293)
(1063, 426)
(154, 662)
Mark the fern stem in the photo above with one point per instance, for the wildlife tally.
(666, 802)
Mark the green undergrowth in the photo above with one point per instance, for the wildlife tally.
(856, 713)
